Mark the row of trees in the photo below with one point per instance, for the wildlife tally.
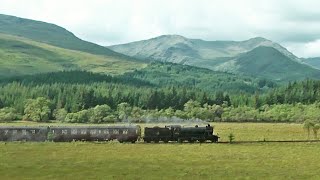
(40, 110)
(76, 97)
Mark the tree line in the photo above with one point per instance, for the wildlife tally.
(79, 96)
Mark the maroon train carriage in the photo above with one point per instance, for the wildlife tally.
(23, 133)
(94, 133)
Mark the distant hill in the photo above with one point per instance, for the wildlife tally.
(267, 62)
(315, 62)
(240, 57)
(28, 47)
(20, 56)
(49, 34)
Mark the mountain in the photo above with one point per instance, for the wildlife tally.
(240, 57)
(315, 62)
(28, 47)
(178, 49)
(268, 62)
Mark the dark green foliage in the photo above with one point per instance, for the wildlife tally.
(169, 74)
(306, 92)
(74, 91)
(79, 96)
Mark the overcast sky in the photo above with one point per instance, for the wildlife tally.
(294, 24)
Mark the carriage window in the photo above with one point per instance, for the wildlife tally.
(6, 132)
(93, 131)
(125, 131)
(74, 131)
(106, 131)
(24, 132)
(33, 131)
(115, 131)
(99, 132)
(14, 131)
(64, 131)
(83, 131)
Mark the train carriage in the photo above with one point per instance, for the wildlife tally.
(20, 133)
(95, 133)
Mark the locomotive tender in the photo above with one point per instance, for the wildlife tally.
(174, 133)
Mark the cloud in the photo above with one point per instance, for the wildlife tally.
(294, 23)
(310, 49)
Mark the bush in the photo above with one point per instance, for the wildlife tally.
(8, 114)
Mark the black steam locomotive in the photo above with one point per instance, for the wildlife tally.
(175, 133)
(180, 134)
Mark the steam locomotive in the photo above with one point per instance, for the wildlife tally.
(131, 133)
(180, 134)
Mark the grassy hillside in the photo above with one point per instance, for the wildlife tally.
(315, 62)
(269, 63)
(49, 34)
(19, 56)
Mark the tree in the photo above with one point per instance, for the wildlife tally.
(8, 114)
(191, 108)
(315, 130)
(124, 110)
(219, 98)
(99, 113)
(169, 112)
(136, 114)
(37, 109)
(308, 125)
(60, 114)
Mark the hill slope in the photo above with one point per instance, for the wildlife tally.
(19, 56)
(49, 34)
(315, 62)
(267, 62)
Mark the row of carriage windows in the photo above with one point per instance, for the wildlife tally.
(23, 131)
(91, 131)
(66, 131)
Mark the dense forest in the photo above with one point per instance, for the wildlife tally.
(160, 92)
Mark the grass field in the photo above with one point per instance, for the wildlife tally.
(112, 160)
(20, 56)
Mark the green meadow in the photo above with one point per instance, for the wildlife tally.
(112, 160)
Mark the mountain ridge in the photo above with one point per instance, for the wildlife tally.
(220, 55)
